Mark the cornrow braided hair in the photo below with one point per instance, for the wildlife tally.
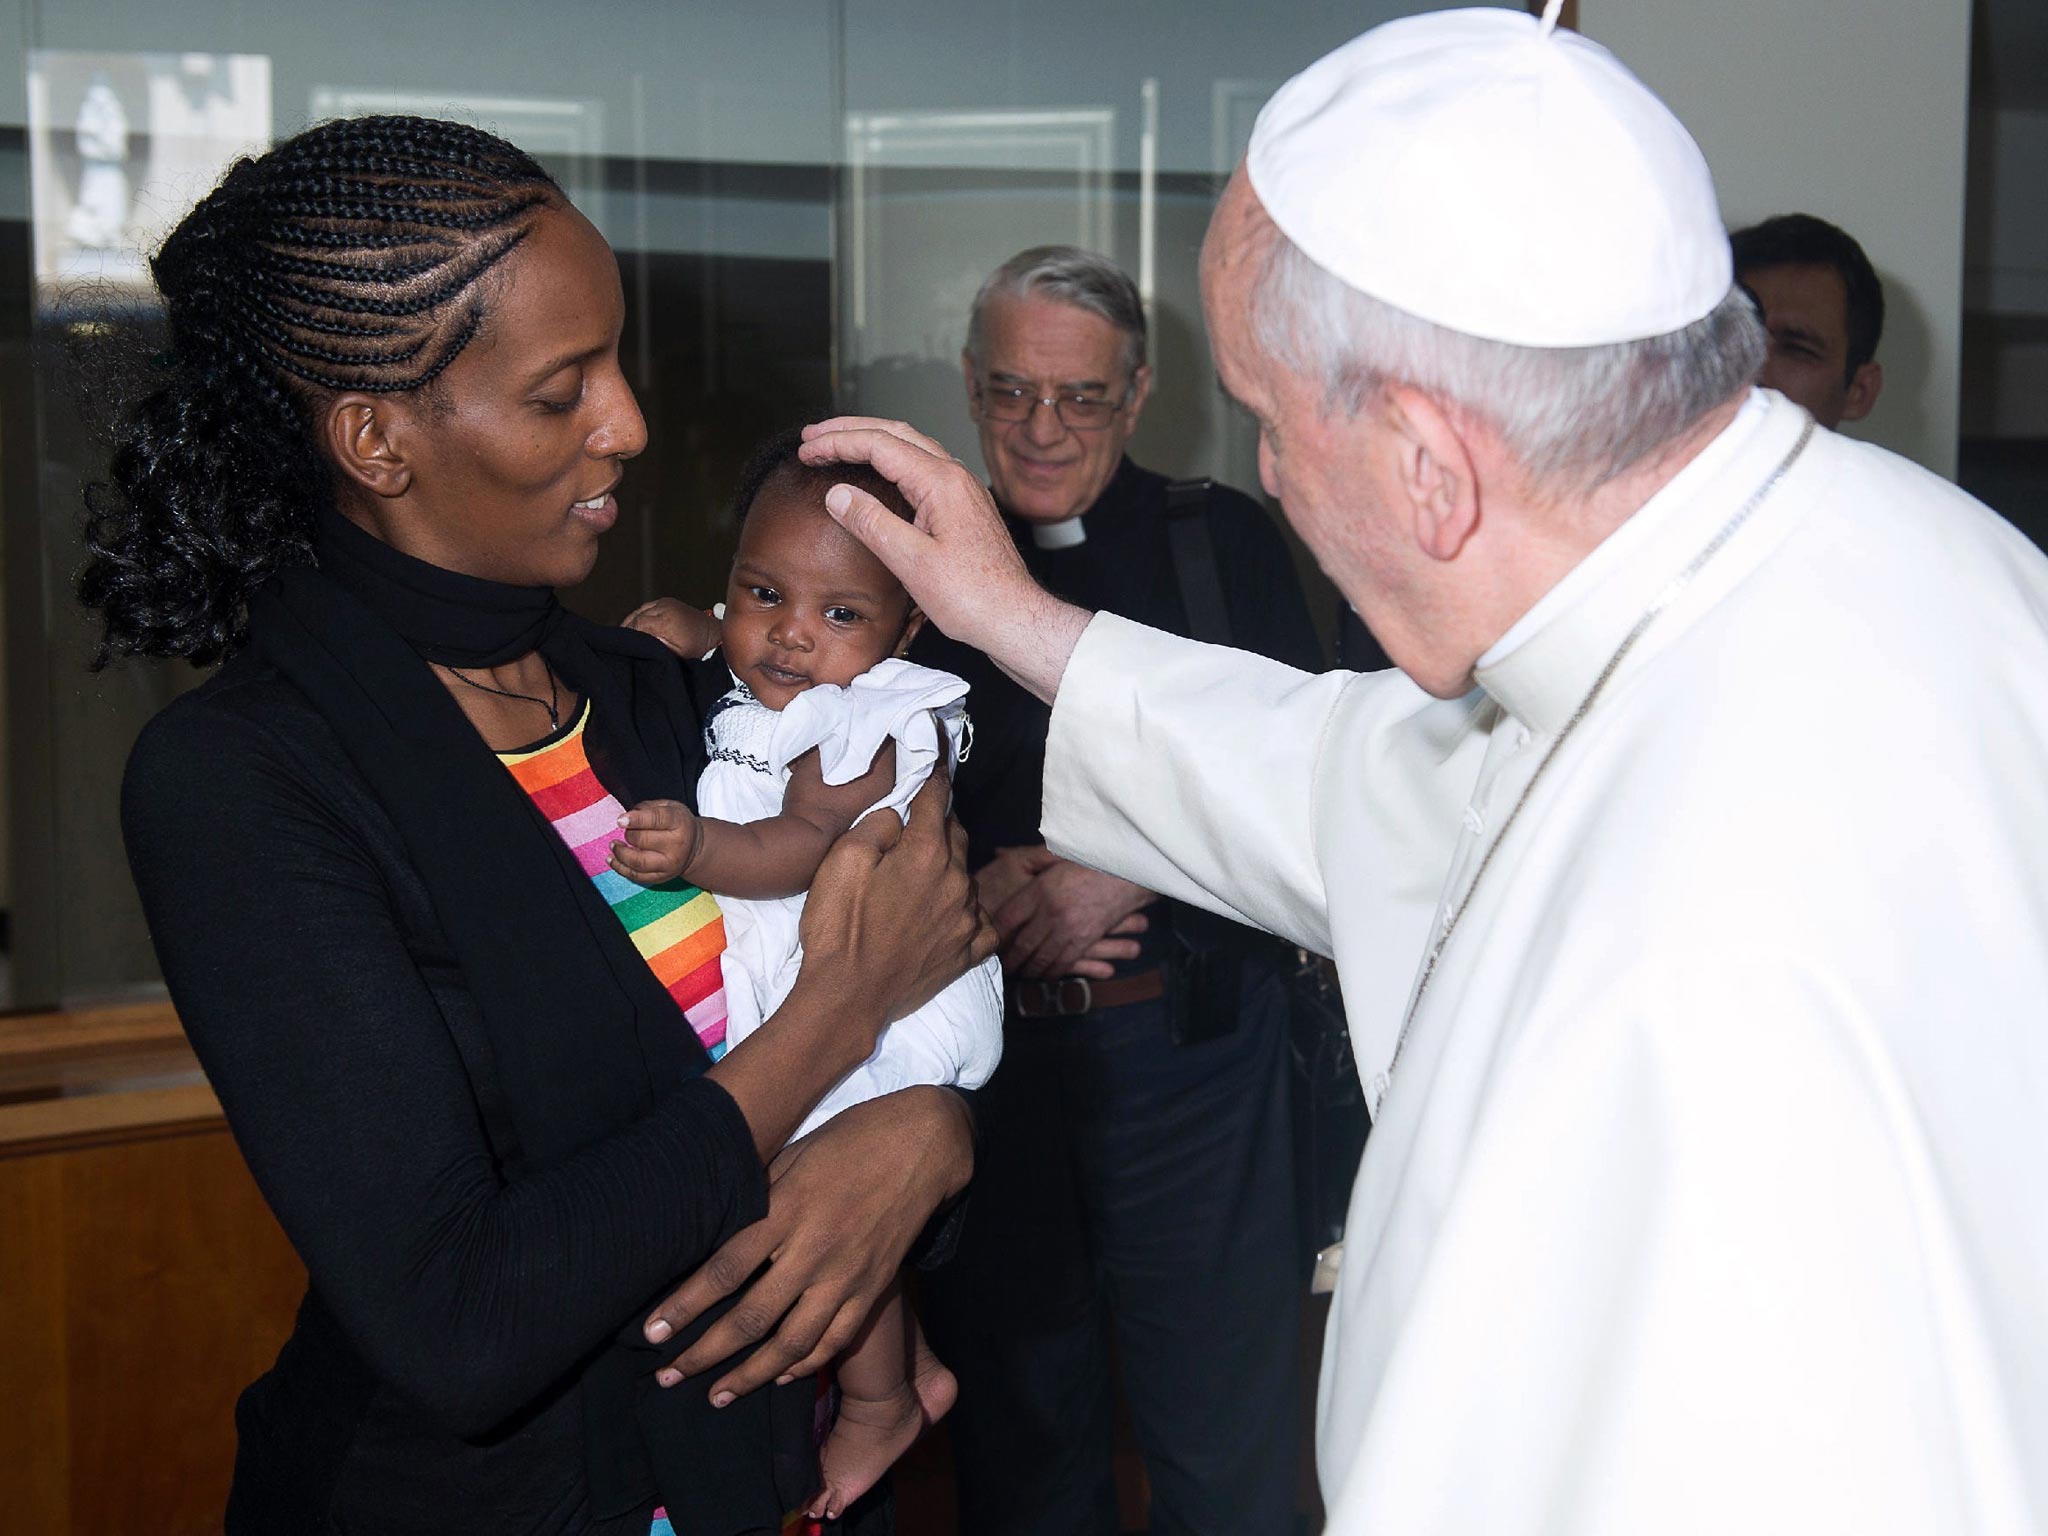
(350, 257)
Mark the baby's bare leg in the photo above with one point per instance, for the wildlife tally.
(891, 1386)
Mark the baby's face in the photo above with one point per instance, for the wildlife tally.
(806, 603)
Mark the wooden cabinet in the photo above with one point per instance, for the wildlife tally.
(143, 1282)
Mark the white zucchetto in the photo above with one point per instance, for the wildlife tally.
(1483, 171)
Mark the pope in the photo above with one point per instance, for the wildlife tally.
(1688, 881)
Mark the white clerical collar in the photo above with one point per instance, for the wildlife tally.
(1064, 534)
(1545, 664)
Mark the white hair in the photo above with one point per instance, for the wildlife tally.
(1574, 417)
(1065, 274)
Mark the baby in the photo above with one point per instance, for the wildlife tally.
(824, 724)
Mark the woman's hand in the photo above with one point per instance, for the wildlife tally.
(892, 916)
(689, 632)
(890, 920)
(844, 1206)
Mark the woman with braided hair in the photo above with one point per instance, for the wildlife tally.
(480, 1087)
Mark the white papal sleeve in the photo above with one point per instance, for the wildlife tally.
(1189, 769)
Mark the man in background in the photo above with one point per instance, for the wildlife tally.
(1134, 1194)
(1824, 309)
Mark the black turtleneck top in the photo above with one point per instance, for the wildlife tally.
(436, 1378)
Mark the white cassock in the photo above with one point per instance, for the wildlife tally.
(1711, 1191)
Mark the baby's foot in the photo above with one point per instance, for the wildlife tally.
(871, 1432)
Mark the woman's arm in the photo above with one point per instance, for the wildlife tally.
(329, 1052)
(847, 1201)
(756, 860)
(327, 1046)
(845, 1206)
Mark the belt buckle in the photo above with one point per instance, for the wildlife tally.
(1041, 999)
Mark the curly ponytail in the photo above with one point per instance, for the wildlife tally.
(346, 258)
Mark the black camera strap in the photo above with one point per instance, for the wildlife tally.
(1330, 1119)
(1204, 982)
(1194, 560)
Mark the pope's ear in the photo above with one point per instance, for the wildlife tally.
(1434, 471)
(362, 435)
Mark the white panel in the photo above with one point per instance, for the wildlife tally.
(1854, 110)
(120, 145)
(935, 201)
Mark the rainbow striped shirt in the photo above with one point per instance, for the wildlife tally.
(676, 927)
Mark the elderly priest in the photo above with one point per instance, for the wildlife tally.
(1690, 890)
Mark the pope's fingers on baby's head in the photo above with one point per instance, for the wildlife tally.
(845, 438)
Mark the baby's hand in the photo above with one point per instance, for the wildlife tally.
(689, 632)
(661, 839)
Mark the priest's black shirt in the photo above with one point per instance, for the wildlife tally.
(1123, 566)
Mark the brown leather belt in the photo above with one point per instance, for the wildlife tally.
(1035, 999)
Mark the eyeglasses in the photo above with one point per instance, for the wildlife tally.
(1019, 402)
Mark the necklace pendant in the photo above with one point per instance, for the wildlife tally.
(1376, 1094)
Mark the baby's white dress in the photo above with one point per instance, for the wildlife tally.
(957, 1037)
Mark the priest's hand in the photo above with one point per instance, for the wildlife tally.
(844, 1206)
(1011, 871)
(1068, 919)
(1008, 872)
(957, 560)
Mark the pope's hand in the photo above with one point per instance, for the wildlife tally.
(957, 560)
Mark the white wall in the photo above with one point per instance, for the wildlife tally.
(1855, 110)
